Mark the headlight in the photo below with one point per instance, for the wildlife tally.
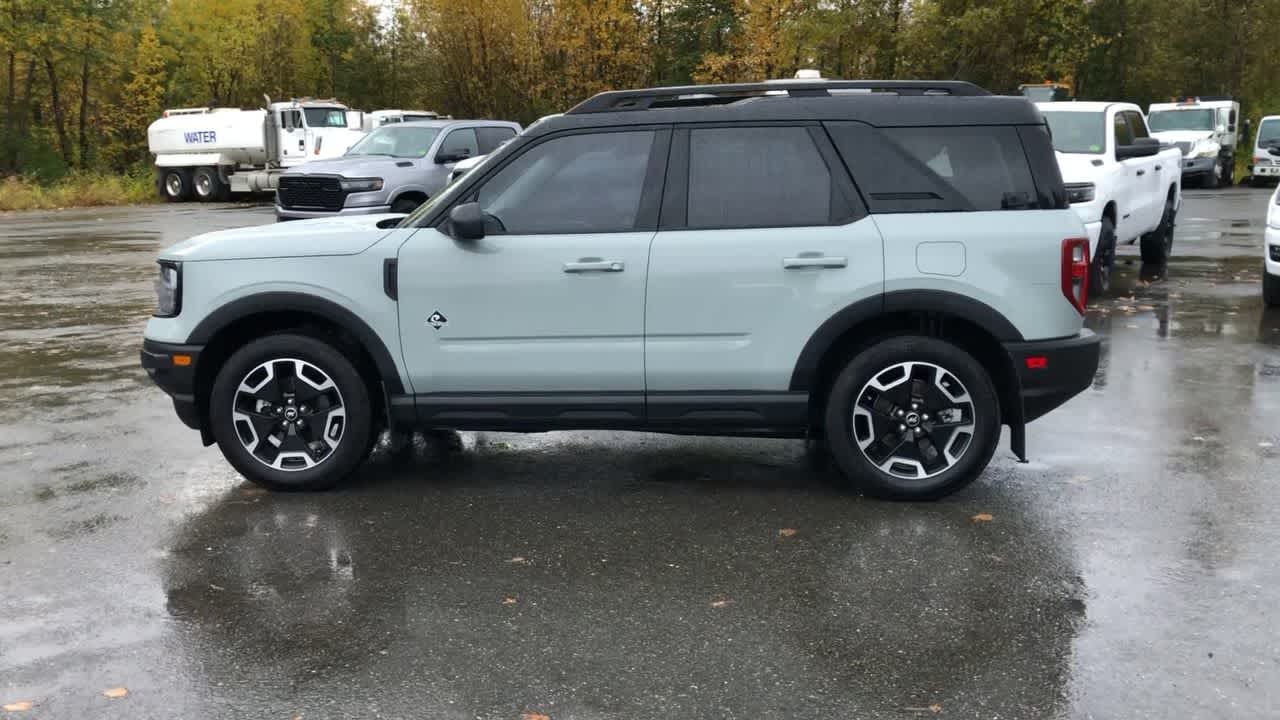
(169, 289)
(1205, 148)
(362, 184)
(1078, 193)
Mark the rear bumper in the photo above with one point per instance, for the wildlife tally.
(178, 381)
(1051, 372)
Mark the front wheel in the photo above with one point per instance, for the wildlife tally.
(291, 412)
(1270, 288)
(912, 418)
(1100, 266)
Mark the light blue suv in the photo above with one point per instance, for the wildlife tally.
(394, 168)
(889, 268)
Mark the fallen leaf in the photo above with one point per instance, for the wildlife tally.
(786, 532)
(534, 716)
(116, 692)
(934, 708)
(253, 490)
(19, 706)
(509, 600)
(982, 517)
(517, 560)
(1198, 438)
(721, 603)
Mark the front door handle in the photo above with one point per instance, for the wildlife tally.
(814, 261)
(1141, 173)
(583, 265)
(1157, 167)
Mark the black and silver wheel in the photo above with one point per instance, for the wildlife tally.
(1104, 260)
(1157, 245)
(291, 412)
(175, 184)
(913, 418)
(207, 185)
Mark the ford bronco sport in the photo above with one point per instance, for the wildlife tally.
(889, 266)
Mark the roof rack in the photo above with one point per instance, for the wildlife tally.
(693, 95)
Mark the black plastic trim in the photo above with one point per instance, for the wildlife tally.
(390, 278)
(1070, 366)
(728, 409)
(924, 301)
(269, 302)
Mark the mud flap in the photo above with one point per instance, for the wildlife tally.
(1015, 415)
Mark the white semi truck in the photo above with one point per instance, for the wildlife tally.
(1204, 129)
(208, 153)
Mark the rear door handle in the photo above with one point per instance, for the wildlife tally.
(1142, 172)
(814, 261)
(1157, 168)
(583, 265)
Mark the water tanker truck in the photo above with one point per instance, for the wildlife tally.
(208, 153)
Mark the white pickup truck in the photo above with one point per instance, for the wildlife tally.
(1124, 185)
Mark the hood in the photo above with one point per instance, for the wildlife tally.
(347, 235)
(1078, 167)
(1187, 136)
(353, 166)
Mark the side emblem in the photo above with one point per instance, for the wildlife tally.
(437, 320)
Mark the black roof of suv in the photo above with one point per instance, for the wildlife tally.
(899, 103)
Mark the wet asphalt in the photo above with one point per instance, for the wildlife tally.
(1127, 571)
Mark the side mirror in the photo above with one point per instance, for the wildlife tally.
(1231, 127)
(467, 221)
(1141, 147)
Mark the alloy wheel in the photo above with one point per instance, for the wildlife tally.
(914, 420)
(288, 414)
(173, 184)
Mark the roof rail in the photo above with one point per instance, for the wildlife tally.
(689, 95)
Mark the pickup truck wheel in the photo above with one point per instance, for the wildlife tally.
(1270, 289)
(404, 205)
(1100, 266)
(912, 418)
(290, 412)
(1212, 179)
(175, 184)
(1157, 245)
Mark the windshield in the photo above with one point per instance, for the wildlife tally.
(395, 140)
(325, 117)
(1268, 131)
(1077, 132)
(1180, 120)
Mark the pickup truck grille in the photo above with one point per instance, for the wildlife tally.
(1184, 146)
(307, 192)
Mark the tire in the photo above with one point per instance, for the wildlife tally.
(1212, 179)
(206, 185)
(1157, 245)
(1101, 265)
(1229, 172)
(405, 205)
(305, 370)
(855, 419)
(1270, 288)
(175, 184)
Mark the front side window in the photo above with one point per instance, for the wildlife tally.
(459, 144)
(1077, 132)
(1269, 130)
(571, 184)
(757, 177)
(326, 117)
(1137, 125)
(1123, 136)
(1162, 120)
(402, 141)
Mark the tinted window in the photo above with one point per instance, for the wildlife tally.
(757, 177)
(1137, 125)
(577, 183)
(1123, 136)
(459, 142)
(403, 141)
(1269, 130)
(491, 137)
(1044, 165)
(932, 169)
(1077, 132)
(1161, 120)
(326, 117)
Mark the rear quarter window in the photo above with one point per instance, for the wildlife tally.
(938, 169)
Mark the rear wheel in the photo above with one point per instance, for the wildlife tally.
(1229, 172)
(290, 412)
(207, 185)
(912, 418)
(175, 184)
(1157, 245)
(1270, 288)
(1100, 266)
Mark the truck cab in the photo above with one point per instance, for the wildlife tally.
(1266, 151)
(1205, 130)
(311, 129)
(1122, 183)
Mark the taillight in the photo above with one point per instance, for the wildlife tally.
(1075, 272)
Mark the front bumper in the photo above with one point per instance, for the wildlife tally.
(295, 214)
(1199, 165)
(1260, 170)
(1051, 372)
(176, 377)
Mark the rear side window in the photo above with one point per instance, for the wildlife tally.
(741, 177)
(491, 137)
(937, 169)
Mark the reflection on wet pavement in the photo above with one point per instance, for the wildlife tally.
(1127, 570)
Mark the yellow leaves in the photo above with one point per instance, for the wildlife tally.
(534, 716)
(116, 693)
(19, 706)
(510, 600)
(787, 532)
(981, 517)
